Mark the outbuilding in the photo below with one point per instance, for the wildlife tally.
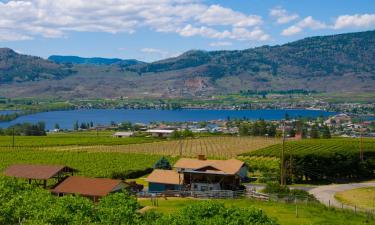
(160, 133)
(38, 172)
(93, 188)
(123, 134)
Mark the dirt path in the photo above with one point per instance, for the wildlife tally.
(326, 194)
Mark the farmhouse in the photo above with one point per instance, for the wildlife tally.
(123, 134)
(160, 133)
(38, 172)
(93, 188)
(199, 175)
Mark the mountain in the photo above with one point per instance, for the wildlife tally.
(94, 61)
(335, 63)
(16, 67)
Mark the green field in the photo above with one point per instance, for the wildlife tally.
(317, 146)
(73, 138)
(284, 213)
(93, 164)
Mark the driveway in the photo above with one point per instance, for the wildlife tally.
(326, 193)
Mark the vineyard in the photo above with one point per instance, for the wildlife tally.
(94, 164)
(76, 138)
(213, 147)
(318, 146)
(332, 160)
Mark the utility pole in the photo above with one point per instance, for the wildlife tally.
(13, 137)
(361, 144)
(282, 159)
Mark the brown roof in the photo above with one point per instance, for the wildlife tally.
(87, 186)
(165, 177)
(40, 172)
(230, 166)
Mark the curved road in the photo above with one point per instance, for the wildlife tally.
(326, 194)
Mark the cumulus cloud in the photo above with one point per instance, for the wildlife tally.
(308, 22)
(217, 15)
(355, 21)
(282, 16)
(30, 18)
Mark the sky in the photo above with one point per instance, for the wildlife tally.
(150, 30)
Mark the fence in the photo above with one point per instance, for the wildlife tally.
(216, 194)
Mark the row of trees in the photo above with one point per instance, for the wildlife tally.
(22, 203)
(25, 129)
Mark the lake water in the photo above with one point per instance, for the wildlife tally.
(66, 119)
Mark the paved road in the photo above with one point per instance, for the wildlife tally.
(326, 194)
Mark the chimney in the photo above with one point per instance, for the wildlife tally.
(201, 157)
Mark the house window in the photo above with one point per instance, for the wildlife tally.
(195, 186)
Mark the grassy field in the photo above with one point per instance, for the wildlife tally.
(93, 164)
(363, 198)
(284, 213)
(72, 138)
(317, 146)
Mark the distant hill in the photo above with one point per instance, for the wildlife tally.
(16, 67)
(94, 61)
(335, 63)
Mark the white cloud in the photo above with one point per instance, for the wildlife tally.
(51, 19)
(217, 15)
(220, 44)
(153, 50)
(282, 16)
(355, 21)
(308, 22)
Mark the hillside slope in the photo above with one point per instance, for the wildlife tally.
(16, 67)
(94, 61)
(336, 63)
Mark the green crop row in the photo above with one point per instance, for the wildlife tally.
(93, 164)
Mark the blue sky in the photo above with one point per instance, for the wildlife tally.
(154, 29)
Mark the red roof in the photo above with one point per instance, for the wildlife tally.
(88, 186)
(39, 172)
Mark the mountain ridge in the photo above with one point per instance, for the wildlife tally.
(334, 63)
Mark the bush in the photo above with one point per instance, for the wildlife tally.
(211, 212)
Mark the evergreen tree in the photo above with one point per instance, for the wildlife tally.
(314, 133)
(163, 164)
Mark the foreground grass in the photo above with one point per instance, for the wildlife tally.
(363, 198)
(284, 213)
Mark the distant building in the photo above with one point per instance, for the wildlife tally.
(123, 134)
(93, 188)
(199, 175)
(160, 133)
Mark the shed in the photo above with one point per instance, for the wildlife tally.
(164, 180)
(160, 133)
(38, 172)
(123, 134)
(93, 188)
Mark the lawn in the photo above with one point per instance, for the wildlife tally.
(284, 213)
(363, 198)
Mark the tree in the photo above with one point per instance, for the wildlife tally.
(162, 164)
(314, 133)
(76, 125)
(57, 126)
(326, 132)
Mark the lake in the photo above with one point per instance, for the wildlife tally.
(66, 119)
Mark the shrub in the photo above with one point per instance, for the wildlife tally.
(163, 164)
(130, 174)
